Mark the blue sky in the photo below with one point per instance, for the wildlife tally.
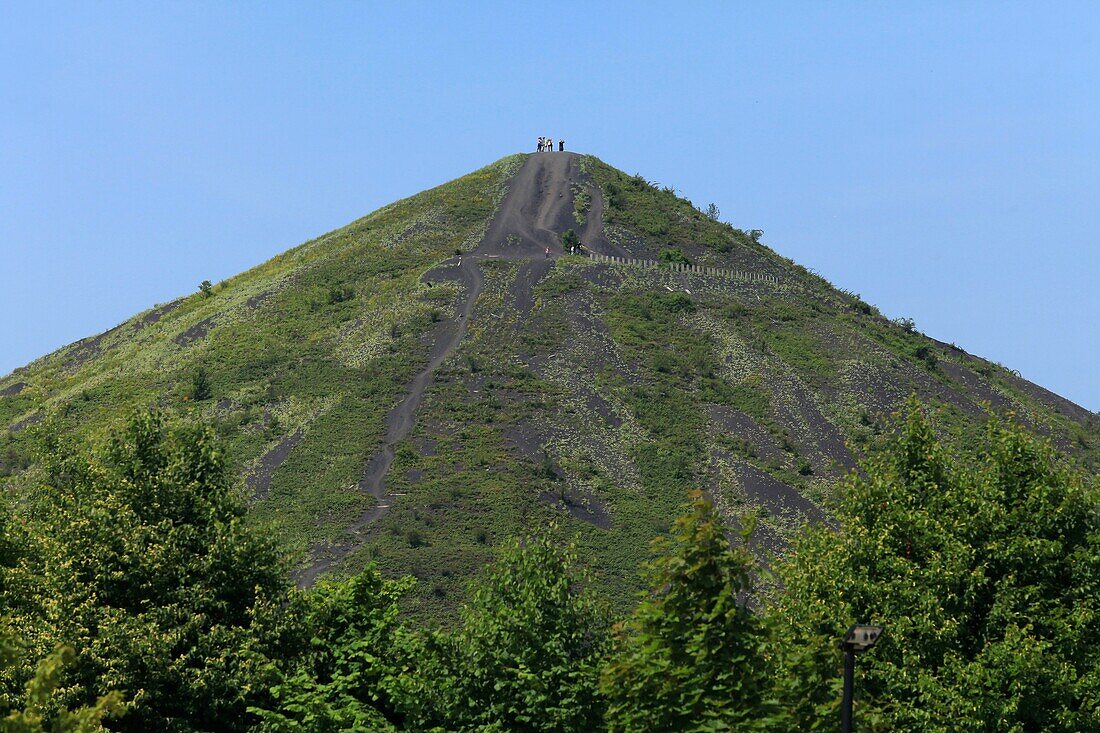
(941, 159)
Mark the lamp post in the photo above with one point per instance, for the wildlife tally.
(860, 638)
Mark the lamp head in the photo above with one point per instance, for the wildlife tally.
(860, 638)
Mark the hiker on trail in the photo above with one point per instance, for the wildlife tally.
(561, 146)
(542, 144)
(547, 253)
(550, 144)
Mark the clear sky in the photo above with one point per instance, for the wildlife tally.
(941, 159)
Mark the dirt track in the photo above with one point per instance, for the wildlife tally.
(536, 210)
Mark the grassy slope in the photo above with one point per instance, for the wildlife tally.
(612, 395)
(318, 342)
(595, 406)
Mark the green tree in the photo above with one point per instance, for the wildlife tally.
(341, 648)
(32, 708)
(985, 570)
(142, 561)
(200, 386)
(690, 657)
(712, 212)
(528, 654)
(206, 288)
(38, 713)
(569, 239)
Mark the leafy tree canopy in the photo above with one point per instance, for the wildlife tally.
(985, 570)
(143, 563)
(528, 653)
(690, 657)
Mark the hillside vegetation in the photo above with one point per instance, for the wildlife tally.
(128, 571)
(589, 395)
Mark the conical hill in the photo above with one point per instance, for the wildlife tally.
(414, 387)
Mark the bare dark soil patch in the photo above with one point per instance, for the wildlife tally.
(157, 313)
(603, 408)
(525, 440)
(257, 300)
(521, 295)
(777, 497)
(426, 447)
(974, 385)
(26, 423)
(821, 433)
(1056, 402)
(586, 508)
(87, 349)
(766, 544)
(1039, 394)
(196, 332)
(260, 480)
(13, 389)
(732, 421)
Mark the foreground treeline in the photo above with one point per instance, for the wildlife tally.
(137, 598)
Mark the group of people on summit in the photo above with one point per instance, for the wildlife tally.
(546, 145)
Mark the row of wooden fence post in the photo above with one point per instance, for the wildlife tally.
(683, 267)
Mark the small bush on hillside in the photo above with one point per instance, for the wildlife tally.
(674, 256)
(569, 239)
(616, 199)
(678, 303)
(906, 324)
(581, 202)
(200, 386)
(340, 294)
(926, 355)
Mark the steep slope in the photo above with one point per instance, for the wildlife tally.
(411, 388)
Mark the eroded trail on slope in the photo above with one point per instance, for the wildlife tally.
(537, 208)
(401, 419)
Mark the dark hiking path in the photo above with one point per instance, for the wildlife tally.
(538, 208)
(533, 214)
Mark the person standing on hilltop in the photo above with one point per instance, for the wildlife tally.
(561, 145)
(541, 144)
